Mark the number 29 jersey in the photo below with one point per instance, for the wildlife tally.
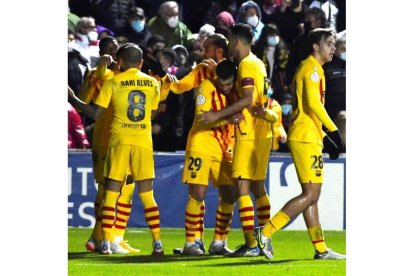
(133, 95)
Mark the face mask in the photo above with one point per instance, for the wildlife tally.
(71, 45)
(273, 40)
(269, 92)
(138, 25)
(93, 36)
(252, 21)
(286, 109)
(172, 21)
(343, 56)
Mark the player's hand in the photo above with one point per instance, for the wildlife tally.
(257, 111)
(337, 139)
(171, 78)
(106, 60)
(331, 148)
(235, 119)
(156, 67)
(210, 64)
(207, 117)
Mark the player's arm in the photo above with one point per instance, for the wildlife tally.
(312, 100)
(267, 114)
(92, 111)
(185, 84)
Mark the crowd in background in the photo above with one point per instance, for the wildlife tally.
(175, 36)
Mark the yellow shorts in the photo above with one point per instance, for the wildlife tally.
(121, 159)
(200, 167)
(308, 161)
(251, 158)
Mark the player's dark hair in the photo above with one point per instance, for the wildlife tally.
(242, 32)
(226, 69)
(169, 54)
(220, 41)
(317, 36)
(154, 39)
(104, 42)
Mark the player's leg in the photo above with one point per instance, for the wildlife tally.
(224, 215)
(123, 208)
(262, 201)
(193, 219)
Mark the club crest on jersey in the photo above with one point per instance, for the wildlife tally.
(318, 173)
(193, 174)
(200, 99)
(314, 76)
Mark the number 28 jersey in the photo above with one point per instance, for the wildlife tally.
(133, 95)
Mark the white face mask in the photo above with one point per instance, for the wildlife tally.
(93, 36)
(252, 20)
(71, 45)
(273, 40)
(343, 56)
(172, 21)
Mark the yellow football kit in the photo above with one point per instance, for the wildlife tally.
(253, 135)
(101, 131)
(209, 149)
(133, 95)
(305, 136)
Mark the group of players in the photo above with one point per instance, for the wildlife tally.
(229, 143)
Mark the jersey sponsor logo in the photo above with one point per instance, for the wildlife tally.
(247, 81)
(200, 99)
(314, 76)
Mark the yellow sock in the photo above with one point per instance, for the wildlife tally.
(263, 209)
(152, 213)
(317, 238)
(199, 233)
(192, 219)
(224, 214)
(246, 212)
(108, 213)
(275, 223)
(123, 210)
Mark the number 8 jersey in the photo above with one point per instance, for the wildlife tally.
(133, 95)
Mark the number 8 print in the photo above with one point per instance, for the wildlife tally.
(133, 105)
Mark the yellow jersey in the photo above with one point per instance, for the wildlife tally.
(216, 139)
(275, 106)
(309, 113)
(133, 95)
(89, 92)
(251, 72)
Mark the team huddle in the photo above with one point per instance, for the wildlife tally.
(229, 144)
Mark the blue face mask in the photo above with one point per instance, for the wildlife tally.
(138, 25)
(269, 92)
(286, 109)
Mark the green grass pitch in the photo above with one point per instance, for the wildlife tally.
(293, 256)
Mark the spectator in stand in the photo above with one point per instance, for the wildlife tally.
(274, 53)
(181, 55)
(250, 14)
(86, 40)
(290, 19)
(330, 9)
(335, 74)
(166, 57)
(154, 43)
(314, 18)
(73, 19)
(167, 25)
(217, 7)
(78, 66)
(103, 32)
(269, 11)
(112, 14)
(224, 22)
(202, 34)
(286, 102)
(136, 30)
(76, 132)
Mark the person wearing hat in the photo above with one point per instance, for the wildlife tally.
(136, 30)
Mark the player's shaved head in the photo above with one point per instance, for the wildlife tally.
(130, 54)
